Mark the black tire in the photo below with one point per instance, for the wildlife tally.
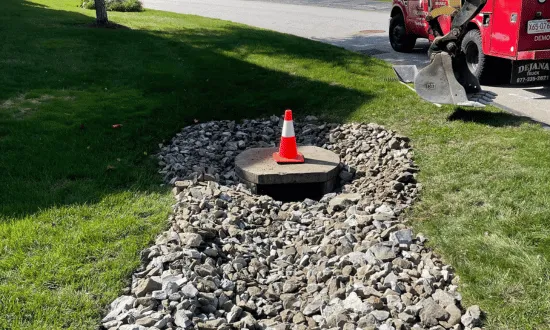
(473, 52)
(399, 39)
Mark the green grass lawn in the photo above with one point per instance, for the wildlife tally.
(79, 199)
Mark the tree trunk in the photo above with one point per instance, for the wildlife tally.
(101, 12)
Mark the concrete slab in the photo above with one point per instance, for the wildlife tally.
(258, 167)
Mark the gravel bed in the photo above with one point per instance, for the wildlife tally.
(234, 260)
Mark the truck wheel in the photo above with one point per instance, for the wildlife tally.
(399, 39)
(473, 51)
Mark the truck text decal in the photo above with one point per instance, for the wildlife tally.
(533, 66)
(545, 37)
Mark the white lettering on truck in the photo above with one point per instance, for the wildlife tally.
(545, 37)
(534, 66)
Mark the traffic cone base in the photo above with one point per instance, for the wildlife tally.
(279, 159)
(288, 150)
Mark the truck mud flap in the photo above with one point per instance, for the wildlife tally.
(529, 72)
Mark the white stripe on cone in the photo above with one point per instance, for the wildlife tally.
(288, 129)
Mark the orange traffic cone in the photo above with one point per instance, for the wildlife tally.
(288, 150)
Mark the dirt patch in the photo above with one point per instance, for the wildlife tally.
(41, 99)
(109, 25)
(22, 106)
(12, 61)
(11, 102)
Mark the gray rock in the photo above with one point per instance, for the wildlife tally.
(382, 217)
(189, 290)
(443, 298)
(196, 192)
(386, 326)
(112, 324)
(171, 287)
(289, 300)
(159, 295)
(146, 322)
(211, 252)
(205, 270)
(402, 237)
(454, 316)
(390, 279)
(413, 309)
(375, 302)
(335, 314)
(254, 291)
(211, 324)
(356, 258)
(289, 251)
(148, 285)
(432, 313)
(291, 286)
(380, 315)
(227, 284)
(298, 318)
(192, 253)
(354, 303)
(172, 257)
(119, 305)
(407, 318)
(472, 317)
(402, 263)
(313, 307)
(367, 321)
(341, 201)
(311, 288)
(234, 314)
(248, 322)
(382, 252)
(367, 291)
(394, 302)
(162, 323)
(384, 208)
(190, 239)
(270, 310)
(181, 319)
(131, 327)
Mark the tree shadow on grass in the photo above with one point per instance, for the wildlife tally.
(496, 119)
(69, 180)
(65, 85)
(245, 42)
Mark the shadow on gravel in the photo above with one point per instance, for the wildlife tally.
(495, 119)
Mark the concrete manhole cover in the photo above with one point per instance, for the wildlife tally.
(318, 176)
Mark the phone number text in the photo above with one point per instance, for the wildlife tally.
(532, 79)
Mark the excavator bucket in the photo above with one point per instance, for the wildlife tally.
(447, 81)
(406, 73)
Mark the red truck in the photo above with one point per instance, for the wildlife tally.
(514, 30)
